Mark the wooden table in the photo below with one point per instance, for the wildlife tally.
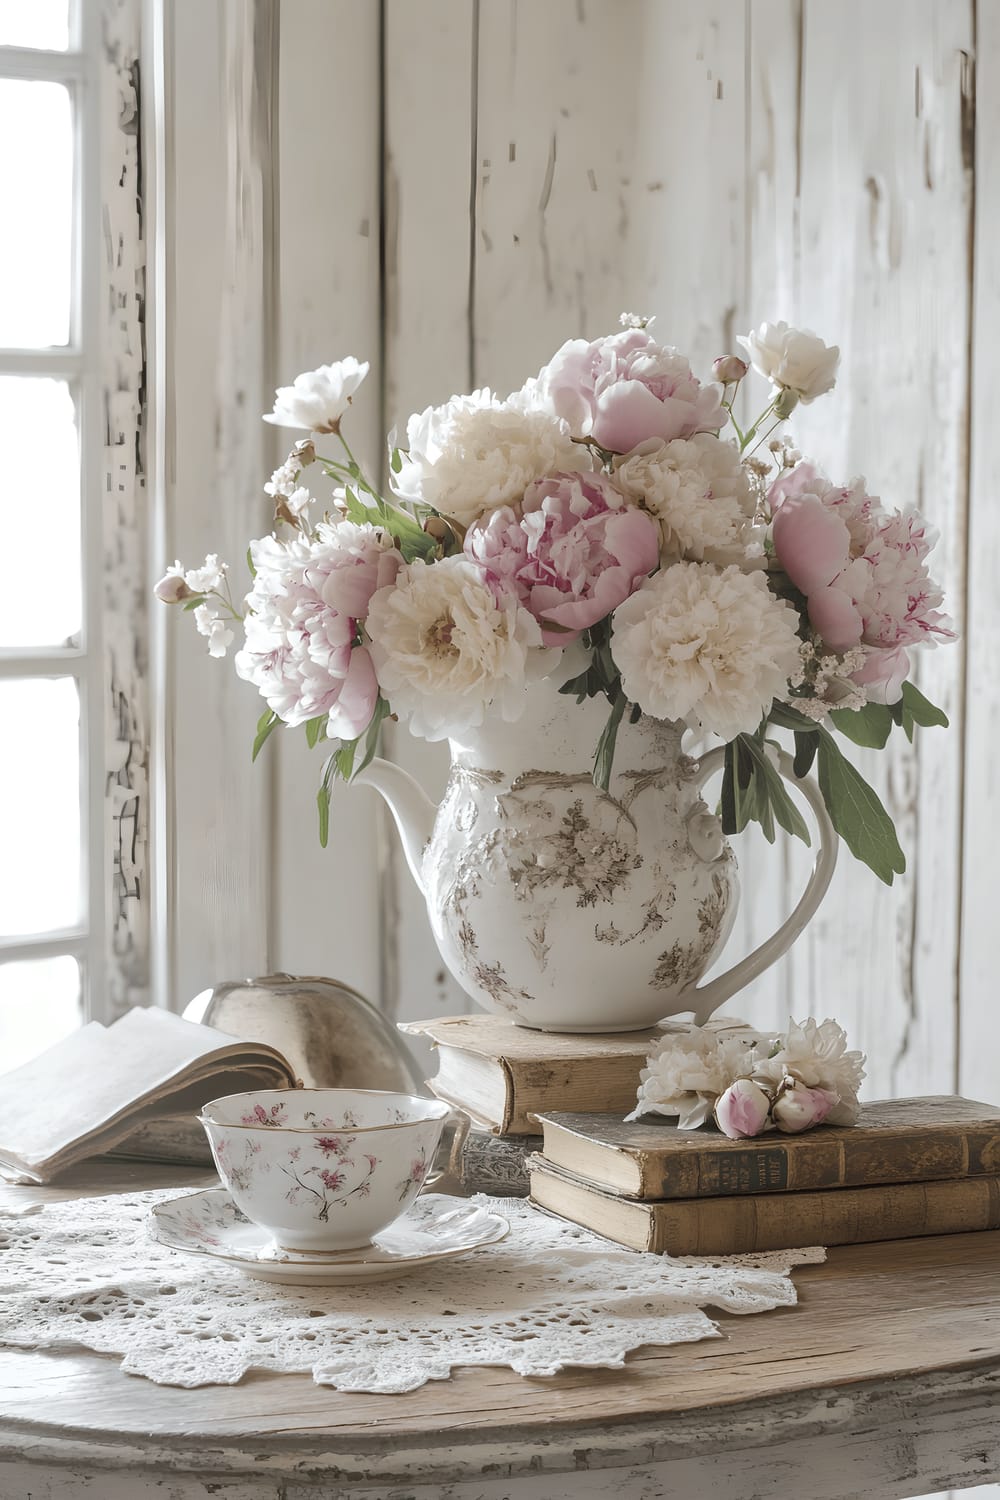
(884, 1381)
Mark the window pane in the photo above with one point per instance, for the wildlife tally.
(35, 23)
(39, 1005)
(40, 498)
(36, 189)
(40, 886)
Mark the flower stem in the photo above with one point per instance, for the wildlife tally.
(764, 436)
(356, 472)
(751, 432)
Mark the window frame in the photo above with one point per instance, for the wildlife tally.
(95, 365)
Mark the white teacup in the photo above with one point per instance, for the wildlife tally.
(323, 1169)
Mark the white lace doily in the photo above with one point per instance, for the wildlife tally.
(86, 1273)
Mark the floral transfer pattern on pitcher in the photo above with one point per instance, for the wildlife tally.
(572, 909)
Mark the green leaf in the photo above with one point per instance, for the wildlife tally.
(579, 687)
(315, 730)
(740, 803)
(922, 712)
(751, 780)
(265, 724)
(356, 508)
(604, 758)
(805, 753)
(253, 570)
(395, 461)
(343, 759)
(869, 726)
(323, 803)
(193, 602)
(323, 796)
(782, 716)
(857, 813)
(782, 805)
(382, 711)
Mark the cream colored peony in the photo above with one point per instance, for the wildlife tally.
(476, 453)
(708, 647)
(815, 1054)
(792, 359)
(445, 650)
(699, 491)
(685, 1073)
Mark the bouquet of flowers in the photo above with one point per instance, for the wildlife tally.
(611, 526)
(751, 1083)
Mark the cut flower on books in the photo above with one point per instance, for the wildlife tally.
(750, 1084)
(611, 526)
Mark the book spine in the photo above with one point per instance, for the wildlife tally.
(497, 1166)
(846, 1216)
(815, 1163)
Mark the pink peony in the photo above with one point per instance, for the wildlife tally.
(742, 1110)
(883, 674)
(812, 542)
(862, 569)
(625, 388)
(798, 1108)
(570, 554)
(301, 648)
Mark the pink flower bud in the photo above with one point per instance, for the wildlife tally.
(171, 588)
(742, 1110)
(799, 1108)
(729, 368)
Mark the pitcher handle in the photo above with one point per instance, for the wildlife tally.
(707, 998)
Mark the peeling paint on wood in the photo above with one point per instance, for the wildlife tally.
(125, 624)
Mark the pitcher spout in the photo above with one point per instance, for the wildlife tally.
(409, 804)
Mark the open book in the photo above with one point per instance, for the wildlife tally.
(103, 1086)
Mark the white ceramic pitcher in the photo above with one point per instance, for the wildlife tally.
(571, 909)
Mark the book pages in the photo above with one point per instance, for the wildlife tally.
(91, 1090)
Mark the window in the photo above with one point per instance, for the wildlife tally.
(55, 757)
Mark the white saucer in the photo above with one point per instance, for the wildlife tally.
(434, 1227)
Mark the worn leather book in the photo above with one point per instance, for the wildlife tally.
(502, 1074)
(895, 1140)
(770, 1221)
(497, 1165)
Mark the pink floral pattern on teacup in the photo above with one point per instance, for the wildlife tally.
(276, 1115)
(326, 1186)
(414, 1178)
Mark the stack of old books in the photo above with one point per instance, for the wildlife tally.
(553, 1105)
(502, 1075)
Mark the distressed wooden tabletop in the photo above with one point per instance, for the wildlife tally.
(889, 1368)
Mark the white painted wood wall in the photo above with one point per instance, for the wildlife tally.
(449, 188)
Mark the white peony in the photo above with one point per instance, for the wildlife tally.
(445, 650)
(793, 359)
(685, 1073)
(210, 623)
(318, 399)
(699, 491)
(815, 1054)
(476, 453)
(711, 648)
